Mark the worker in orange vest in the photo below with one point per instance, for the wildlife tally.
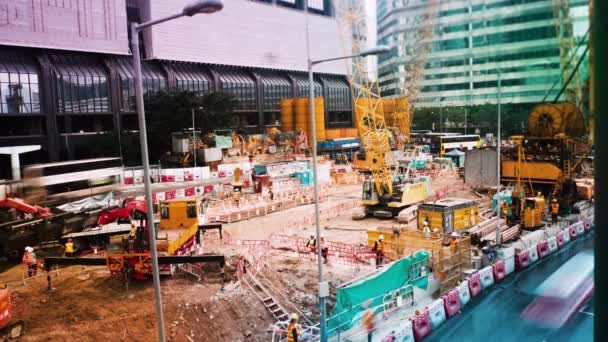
(368, 322)
(554, 211)
(29, 259)
(505, 209)
(293, 332)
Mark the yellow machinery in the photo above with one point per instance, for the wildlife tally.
(449, 215)
(182, 213)
(533, 213)
(383, 194)
(529, 212)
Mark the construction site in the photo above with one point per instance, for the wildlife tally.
(308, 232)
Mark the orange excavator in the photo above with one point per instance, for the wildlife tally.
(9, 329)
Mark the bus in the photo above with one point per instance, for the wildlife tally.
(440, 144)
(54, 182)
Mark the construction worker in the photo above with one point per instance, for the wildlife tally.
(425, 229)
(29, 259)
(132, 237)
(554, 211)
(368, 321)
(312, 244)
(379, 249)
(453, 240)
(69, 248)
(324, 250)
(293, 332)
(505, 209)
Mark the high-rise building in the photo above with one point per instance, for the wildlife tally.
(474, 41)
(66, 75)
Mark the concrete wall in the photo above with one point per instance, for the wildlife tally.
(83, 25)
(244, 33)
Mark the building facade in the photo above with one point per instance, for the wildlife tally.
(66, 75)
(474, 41)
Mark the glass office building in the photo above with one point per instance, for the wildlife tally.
(474, 41)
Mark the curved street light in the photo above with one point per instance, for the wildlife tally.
(203, 6)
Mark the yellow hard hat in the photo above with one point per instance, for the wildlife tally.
(294, 316)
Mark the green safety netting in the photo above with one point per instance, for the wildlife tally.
(348, 309)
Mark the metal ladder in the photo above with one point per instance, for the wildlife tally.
(271, 304)
(191, 269)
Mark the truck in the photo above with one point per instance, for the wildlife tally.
(181, 223)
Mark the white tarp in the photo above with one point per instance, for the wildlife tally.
(90, 203)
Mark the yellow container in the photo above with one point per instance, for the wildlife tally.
(302, 111)
(320, 118)
(287, 116)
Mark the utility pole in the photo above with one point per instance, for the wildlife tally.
(498, 201)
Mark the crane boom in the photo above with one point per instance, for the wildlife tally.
(369, 112)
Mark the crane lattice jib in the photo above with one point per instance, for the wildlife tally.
(410, 86)
(366, 94)
(568, 50)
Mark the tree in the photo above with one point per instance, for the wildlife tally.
(172, 112)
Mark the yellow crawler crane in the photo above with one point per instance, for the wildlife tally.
(382, 195)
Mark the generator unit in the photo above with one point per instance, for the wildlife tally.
(449, 214)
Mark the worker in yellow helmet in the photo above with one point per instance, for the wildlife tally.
(554, 211)
(293, 331)
(69, 248)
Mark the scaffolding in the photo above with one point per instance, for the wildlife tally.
(447, 263)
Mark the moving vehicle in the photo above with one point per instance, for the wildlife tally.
(564, 292)
(440, 144)
(56, 182)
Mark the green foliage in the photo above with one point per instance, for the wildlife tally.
(172, 112)
(514, 118)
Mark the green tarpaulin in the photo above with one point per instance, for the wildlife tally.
(348, 309)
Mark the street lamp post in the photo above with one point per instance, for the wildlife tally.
(498, 202)
(205, 6)
(323, 286)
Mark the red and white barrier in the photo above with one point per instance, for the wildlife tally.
(421, 325)
(451, 303)
(553, 247)
(560, 239)
(533, 252)
(474, 284)
(572, 232)
(499, 271)
(522, 260)
(542, 247)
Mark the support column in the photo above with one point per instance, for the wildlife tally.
(260, 101)
(48, 106)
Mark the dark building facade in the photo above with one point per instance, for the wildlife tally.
(64, 100)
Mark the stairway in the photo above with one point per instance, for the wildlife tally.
(273, 306)
(192, 269)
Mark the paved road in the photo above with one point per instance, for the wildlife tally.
(494, 315)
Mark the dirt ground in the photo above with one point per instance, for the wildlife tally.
(89, 305)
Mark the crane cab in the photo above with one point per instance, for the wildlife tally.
(182, 213)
